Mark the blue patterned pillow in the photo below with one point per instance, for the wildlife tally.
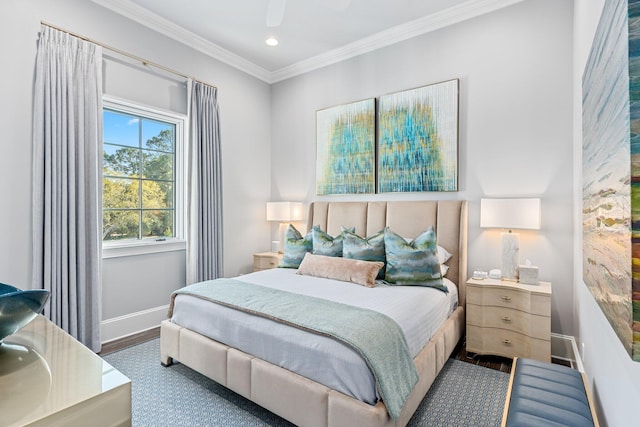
(415, 262)
(324, 244)
(365, 249)
(295, 247)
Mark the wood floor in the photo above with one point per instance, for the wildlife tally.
(492, 362)
(125, 342)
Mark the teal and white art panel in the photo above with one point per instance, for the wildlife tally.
(418, 139)
(345, 138)
(611, 170)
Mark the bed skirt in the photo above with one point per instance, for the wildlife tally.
(302, 401)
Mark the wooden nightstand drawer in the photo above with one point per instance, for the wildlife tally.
(510, 319)
(509, 298)
(266, 260)
(506, 343)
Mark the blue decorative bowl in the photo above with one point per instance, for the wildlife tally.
(18, 307)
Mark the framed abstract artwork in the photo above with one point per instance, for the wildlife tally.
(418, 139)
(345, 138)
(611, 170)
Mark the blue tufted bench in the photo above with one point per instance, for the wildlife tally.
(545, 395)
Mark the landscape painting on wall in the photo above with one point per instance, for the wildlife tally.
(345, 138)
(611, 171)
(418, 139)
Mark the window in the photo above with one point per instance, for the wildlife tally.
(141, 201)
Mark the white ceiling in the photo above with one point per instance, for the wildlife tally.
(312, 34)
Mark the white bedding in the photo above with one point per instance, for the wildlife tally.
(419, 312)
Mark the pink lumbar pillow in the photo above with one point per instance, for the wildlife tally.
(344, 269)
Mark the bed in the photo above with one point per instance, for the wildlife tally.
(304, 399)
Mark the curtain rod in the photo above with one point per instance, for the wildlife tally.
(143, 61)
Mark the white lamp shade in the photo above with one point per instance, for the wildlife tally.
(284, 211)
(510, 214)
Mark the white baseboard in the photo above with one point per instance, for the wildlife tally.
(564, 347)
(123, 326)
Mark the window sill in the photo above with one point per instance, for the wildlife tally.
(115, 250)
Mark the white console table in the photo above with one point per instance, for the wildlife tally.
(47, 378)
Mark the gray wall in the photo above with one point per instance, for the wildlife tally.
(515, 71)
(136, 284)
(614, 377)
(517, 76)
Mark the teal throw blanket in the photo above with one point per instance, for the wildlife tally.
(375, 336)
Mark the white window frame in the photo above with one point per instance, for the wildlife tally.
(130, 247)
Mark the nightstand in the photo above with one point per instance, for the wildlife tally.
(266, 260)
(509, 319)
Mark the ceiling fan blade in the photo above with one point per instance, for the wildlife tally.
(275, 12)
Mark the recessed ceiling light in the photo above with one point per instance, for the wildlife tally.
(271, 41)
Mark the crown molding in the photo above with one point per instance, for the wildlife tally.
(447, 17)
(450, 16)
(157, 23)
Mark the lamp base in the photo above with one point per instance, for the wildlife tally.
(510, 252)
(282, 236)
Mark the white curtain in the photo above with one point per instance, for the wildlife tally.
(67, 173)
(204, 183)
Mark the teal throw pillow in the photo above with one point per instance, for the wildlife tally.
(415, 262)
(365, 249)
(324, 244)
(295, 247)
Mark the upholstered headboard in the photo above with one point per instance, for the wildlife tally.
(408, 219)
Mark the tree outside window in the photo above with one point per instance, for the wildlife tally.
(138, 177)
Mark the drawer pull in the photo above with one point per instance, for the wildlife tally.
(506, 319)
(506, 342)
(506, 298)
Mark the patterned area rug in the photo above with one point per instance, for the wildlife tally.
(462, 395)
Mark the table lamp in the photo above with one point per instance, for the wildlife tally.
(509, 214)
(284, 213)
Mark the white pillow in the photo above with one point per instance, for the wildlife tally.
(443, 269)
(443, 255)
